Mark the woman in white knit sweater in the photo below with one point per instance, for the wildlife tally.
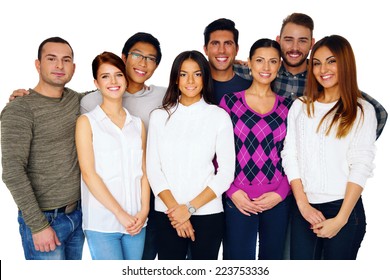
(328, 155)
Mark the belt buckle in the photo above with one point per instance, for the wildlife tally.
(70, 208)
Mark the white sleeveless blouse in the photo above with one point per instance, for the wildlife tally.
(118, 161)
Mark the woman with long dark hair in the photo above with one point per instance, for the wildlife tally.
(184, 136)
(258, 201)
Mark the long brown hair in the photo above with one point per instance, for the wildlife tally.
(345, 110)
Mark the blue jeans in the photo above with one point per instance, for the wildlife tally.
(115, 245)
(68, 228)
(241, 232)
(305, 245)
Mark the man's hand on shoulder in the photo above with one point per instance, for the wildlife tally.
(17, 93)
(241, 62)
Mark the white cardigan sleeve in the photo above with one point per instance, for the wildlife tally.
(361, 152)
(226, 156)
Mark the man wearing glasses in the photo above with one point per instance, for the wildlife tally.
(141, 54)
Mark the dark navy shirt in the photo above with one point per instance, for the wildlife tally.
(236, 84)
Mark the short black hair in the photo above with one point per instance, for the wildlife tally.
(146, 38)
(220, 24)
(52, 40)
(265, 43)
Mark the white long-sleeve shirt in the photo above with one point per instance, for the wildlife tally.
(325, 163)
(180, 154)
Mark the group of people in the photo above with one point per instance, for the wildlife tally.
(229, 153)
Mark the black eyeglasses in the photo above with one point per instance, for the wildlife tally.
(139, 57)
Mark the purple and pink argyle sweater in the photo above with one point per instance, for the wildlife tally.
(258, 143)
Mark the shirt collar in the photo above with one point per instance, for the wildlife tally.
(197, 106)
(101, 115)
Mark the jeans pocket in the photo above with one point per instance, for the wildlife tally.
(229, 203)
(50, 217)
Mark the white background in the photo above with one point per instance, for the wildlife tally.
(92, 27)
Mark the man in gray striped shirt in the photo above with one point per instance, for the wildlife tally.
(39, 158)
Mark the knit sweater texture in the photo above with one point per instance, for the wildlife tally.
(39, 158)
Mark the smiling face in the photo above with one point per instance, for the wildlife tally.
(110, 81)
(221, 50)
(325, 68)
(264, 64)
(296, 42)
(140, 65)
(190, 82)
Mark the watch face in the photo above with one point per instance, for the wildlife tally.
(191, 209)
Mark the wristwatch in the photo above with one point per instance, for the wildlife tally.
(191, 209)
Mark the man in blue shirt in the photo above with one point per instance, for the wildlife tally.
(221, 47)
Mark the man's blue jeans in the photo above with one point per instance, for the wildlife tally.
(305, 245)
(115, 245)
(68, 228)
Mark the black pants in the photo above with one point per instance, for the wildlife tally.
(150, 248)
(208, 238)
